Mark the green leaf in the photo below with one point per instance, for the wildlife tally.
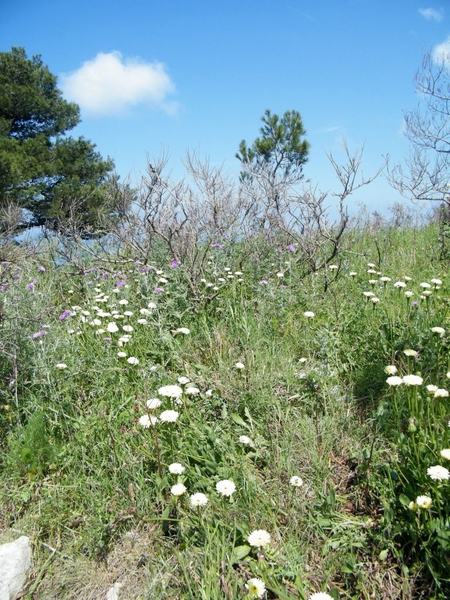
(238, 420)
(239, 553)
(383, 555)
(404, 500)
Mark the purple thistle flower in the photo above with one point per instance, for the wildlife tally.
(41, 269)
(263, 282)
(65, 314)
(3, 288)
(290, 247)
(30, 286)
(175, 263)
(216, 245)
(159, 290)
(38, 334)
(106, 339)
(121, 282)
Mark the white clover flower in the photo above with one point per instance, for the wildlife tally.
(239, 365)
(145, 312)
(95, 322)
(127, 328)
(112, 327)
(390, 370)
(123, 302)
(302, 360)
(238, 273)
(124, 339)
(128, 313)
(296, 481)
(183, 330)
(375, 300)
(209, 393)
(280, 274)
(122, 354)
(368, 294)
(371, 271)
(151, 305)
(244, 439)
(410, 352)
(436, 281)
(142, 321)
(441, 393)
(333, 267)
(412, 380)
(394, 380)
(425, 285)
(438, 473)
(191, 391)
(178, 489)
(423, 502)
(385, 279)
(259, 538)
(320, 596)
(256, 587)
(61, 366)
(169, 416)
(176, 468)
(439, 330)
(133, 360)
(427, 293)
(408, 294)
(153, 403)
(371, 265)
(146, 421)
(432, 388)
(226, 487)
(309, 314)
(198, 499)
(445, 453)
(406, 278)
(373, 281)
(183, 380)
(353, 273)
(399, 284)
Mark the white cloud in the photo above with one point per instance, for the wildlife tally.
(432, 14)
(441, 53)
(109, 84)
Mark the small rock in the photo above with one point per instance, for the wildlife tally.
(113, 592)
(15, 564)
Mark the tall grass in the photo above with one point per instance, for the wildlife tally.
(274, 394)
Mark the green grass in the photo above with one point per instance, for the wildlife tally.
(79, 473)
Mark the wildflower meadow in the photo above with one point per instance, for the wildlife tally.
(271, 432)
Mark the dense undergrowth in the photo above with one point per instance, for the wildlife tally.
(266, 428)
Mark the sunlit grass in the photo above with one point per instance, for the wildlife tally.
(131, 410)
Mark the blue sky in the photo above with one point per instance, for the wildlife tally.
(178, 75)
